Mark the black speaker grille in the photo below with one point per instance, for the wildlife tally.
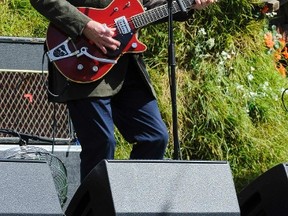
(25, 108)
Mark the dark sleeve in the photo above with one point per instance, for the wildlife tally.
(62, 14)
(180, 16)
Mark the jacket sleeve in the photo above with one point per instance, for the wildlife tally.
(62, 14)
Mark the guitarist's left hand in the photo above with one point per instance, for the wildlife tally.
(101, 36)
(201, 4)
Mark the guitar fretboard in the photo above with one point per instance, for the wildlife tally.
(158, 13)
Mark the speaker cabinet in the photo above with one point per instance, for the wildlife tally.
(27, 188)
(267, 195)
(151, 187)
(22, 85)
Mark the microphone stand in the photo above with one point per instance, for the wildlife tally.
(172, 77)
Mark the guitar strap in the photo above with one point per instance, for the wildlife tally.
(52, 76)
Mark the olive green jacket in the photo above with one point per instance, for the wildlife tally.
(66, 16)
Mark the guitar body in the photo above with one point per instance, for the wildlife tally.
(89, 67)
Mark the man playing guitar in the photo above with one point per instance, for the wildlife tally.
(96, 68)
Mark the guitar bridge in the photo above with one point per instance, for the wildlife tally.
(61, 51)
(122, 25)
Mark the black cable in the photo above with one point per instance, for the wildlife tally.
(19, 83)
(11, 132)
(24, 138)
(71, 133)
(54, 126)
(45, 83)
(282, 99)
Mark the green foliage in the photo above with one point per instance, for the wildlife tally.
(19, 19)
(228, 90)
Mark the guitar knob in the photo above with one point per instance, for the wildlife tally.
(95, 68)
(134, 45)
(80, 67)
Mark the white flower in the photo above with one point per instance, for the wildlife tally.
(210, 43)
(282, 90)
(225, 55)
(221, 62)
(275, 97)
(265, 86)
(239, 87)
(252, 94)
(271, 15)
(263, 94)
(202, 31)
(250, 76)
(198, 48)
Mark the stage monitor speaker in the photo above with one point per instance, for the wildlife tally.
(27, 188)
(151, 187)
(267, 195)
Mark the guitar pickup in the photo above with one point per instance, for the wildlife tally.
(122, 25)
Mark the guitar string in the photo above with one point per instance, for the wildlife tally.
(155, 14)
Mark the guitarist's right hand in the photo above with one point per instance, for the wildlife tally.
(101, 36)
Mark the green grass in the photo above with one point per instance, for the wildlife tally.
(228, 90)
(18, 18)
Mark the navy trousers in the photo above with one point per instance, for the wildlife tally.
(135, 113)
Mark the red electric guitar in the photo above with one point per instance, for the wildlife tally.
(82, 62)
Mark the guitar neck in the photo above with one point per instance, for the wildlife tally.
(158, 13)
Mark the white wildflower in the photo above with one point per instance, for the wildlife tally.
(271, 15)
(265, 86)
(210, 43)
(250, 76)
(202, 31)
(282, 90)
(239, 87)
(253, 94)
(225, 55)
(198, 48)
(275, 97)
